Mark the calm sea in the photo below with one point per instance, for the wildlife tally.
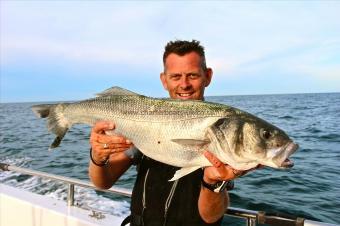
(311, 189)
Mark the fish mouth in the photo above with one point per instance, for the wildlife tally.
(282, 160)
(287, 163)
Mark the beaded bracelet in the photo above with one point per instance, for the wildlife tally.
(98, 164)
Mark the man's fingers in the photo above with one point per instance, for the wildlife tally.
(116, 150)
(99, 153)
(101, 126)
(219, 166)
(111, 146)
(105, 145)
(117, 146)
(212, 159)
(222, 171)
(105, 139)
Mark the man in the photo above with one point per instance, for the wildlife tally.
(156, 201)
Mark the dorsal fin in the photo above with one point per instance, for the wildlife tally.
(116, 91)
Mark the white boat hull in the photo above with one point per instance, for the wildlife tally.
(20, 207)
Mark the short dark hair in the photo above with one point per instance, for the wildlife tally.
(182, 47)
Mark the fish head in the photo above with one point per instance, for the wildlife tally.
(266, 143)
(248, 139)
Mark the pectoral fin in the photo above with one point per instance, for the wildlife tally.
(183, 171)
(191, 142)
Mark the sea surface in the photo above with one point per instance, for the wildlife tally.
(311, 189)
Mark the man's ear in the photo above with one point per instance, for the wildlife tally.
(208, 75)
(164, 81)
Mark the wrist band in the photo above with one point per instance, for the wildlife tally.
(219, 186)
(98, 164)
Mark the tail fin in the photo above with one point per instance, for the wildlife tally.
(56, 121)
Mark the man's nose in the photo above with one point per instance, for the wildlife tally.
(184, 83)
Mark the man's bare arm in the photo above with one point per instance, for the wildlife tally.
(212, 205)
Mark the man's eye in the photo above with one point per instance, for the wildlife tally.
(175, 76)
(193, 75)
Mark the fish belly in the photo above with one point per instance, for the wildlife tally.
(154, 139)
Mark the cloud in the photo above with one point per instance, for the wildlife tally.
(243, 40)
(239, 32)
(41, 47)
(106, 32)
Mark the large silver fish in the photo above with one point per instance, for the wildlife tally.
(177, 132)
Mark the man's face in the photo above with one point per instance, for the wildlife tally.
(184, 77)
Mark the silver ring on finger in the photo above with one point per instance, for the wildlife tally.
(105, 146)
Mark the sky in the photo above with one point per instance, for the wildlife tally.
(71, 50)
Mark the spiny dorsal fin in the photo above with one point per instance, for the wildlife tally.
(116, 91)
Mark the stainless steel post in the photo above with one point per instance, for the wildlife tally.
(251, 222)
(70, 195)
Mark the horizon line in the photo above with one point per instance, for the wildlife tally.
(264, 94)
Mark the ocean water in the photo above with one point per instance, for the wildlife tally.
(311, 189)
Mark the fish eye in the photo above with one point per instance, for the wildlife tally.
(265, 134)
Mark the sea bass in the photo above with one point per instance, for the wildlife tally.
(177, 132)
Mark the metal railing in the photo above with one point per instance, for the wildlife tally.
(252, 217)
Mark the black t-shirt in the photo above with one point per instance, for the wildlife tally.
(183, 208)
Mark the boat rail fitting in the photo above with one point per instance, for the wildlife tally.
(70, 195)
(251, 222)
(252, 217)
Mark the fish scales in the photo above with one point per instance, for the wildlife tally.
(177, 132)
(142, 108)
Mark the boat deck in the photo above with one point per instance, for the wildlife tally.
(20, 207)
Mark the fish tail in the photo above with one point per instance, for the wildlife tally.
(56, 120)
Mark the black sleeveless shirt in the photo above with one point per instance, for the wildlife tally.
(182, 205)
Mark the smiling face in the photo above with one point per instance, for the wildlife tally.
(184, 78)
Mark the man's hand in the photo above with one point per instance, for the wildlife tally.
(104, 145)
(219, 171)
